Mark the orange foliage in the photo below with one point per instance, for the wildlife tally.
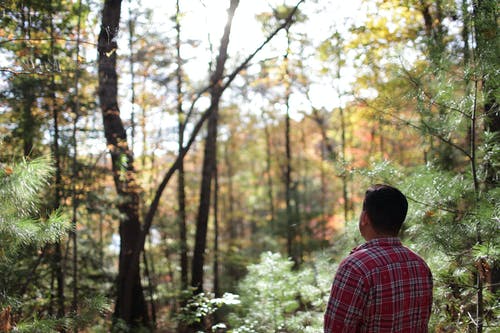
(333, 225)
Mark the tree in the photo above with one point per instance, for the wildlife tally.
(485, 19)
(130, 301)
(209, 155)
(181, 192)
(21, 184)
(39, 47)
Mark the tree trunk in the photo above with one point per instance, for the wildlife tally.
(345, 194)
(433, 30)
(130, 302)
(27, 124)
(204, 208)
(327, 154)
(131, 31)
(58, 257)
(231, 221)
(209, 158)
(288, 160)
(323, 194)
(74, 171)
(487, 50)
(181, 193)
(216, 232)
(270, 194)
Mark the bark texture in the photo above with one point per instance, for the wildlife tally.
(130, 302)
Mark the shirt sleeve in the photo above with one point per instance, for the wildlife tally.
(347, 300)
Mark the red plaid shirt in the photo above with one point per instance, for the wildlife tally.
(380, 287)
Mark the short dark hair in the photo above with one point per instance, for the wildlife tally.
(386, 207)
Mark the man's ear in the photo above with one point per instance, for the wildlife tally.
(365, 219)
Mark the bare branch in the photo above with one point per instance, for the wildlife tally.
(12, 40)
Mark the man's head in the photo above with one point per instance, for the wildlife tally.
(385, 208)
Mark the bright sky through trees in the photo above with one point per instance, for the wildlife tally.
(203, 21)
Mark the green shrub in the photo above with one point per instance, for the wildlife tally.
(276, 298)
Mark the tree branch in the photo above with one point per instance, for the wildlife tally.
(168, 175)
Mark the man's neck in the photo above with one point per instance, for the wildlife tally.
(379, 236)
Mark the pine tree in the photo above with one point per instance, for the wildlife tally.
(23, 229)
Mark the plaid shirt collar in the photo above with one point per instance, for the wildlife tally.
(382, 242)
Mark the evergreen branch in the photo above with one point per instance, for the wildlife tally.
(428, 95)
(440, 207)
(19, 191)
(434, 133)
(461, 285)
(431, 130)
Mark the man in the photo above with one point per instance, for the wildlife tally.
(381, 286)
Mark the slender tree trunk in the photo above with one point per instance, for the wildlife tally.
(133, 136)
(327, 154)
(130, 302)
(232, 230)
(231, 221)
(270, 194)
(131, 30)
(323, 193)
(205, 192)
(27, 123)
(74, 200)
(148, 273)
(58, 258)
(343, 144)
(288, 188)
(50, 309)
(209, 160)
(181, 193)
(487, 54)
(345, 194)
(288, 159)
(433, 21)
(466, 32)
(433, 30)
(479, 273)
(216, 232)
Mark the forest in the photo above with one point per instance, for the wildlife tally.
(199, 166)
